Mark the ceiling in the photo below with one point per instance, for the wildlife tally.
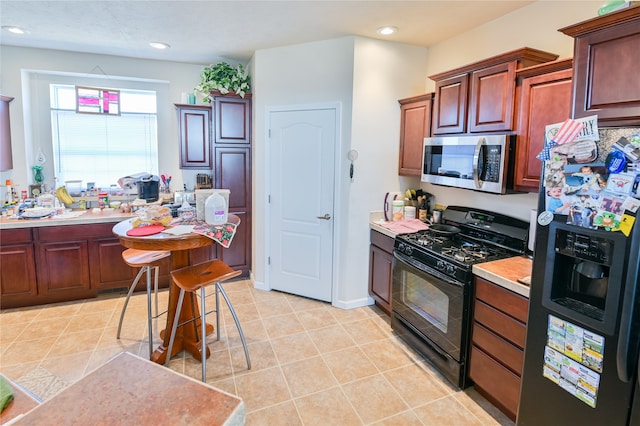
(207, 31)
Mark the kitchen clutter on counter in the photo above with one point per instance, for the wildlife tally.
(411, 204)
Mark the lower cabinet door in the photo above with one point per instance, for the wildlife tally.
(495, 382)
(380, 276)
(17, 275)
(63, 271)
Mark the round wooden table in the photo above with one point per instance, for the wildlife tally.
(187, 336)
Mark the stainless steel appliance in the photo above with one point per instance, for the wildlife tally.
(478, 162)
(583, 331)
(432, 282)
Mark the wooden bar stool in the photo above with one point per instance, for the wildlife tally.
(199, 276)
(146, 260)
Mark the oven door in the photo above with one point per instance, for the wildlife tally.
(432, 304)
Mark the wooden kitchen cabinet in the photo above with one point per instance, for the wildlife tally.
(62, 264)
(195, 142)
(233, 172)
(17, 268)
(226, 153)
(544, 93)
(605, 68)
(380, 269)
(415, 125)
(497, 344)
(232, 119)
(480, 97)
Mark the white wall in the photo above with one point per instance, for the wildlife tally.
(383, 73)
(534, 26)
(367, 77)
(21, 66)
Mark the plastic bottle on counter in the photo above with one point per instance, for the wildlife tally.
(215, 209)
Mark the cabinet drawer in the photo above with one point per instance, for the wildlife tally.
(501, 324)
(76, 232)
(503, 351)
(500, 384)
(383, 241)
(14, 236)
(510, 303)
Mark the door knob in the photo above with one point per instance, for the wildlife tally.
(326, 216)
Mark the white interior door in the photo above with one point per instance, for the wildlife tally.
(302, 147)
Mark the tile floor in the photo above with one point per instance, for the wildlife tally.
(312, 364)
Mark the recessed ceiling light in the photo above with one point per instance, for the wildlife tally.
(386, 30)
(14, 30)
(158, 45)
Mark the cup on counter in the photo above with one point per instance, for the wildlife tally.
(437, 216)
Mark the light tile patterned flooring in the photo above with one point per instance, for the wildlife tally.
(312, 364)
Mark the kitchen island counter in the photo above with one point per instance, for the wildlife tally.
(506, 272)
(87, 218)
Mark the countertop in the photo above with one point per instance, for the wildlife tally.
(86, 218)
(375, 219)
(505, 273)
(129, 389)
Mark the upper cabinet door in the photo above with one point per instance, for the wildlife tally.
(232, 120)
(415, 125)
(480, 97)
(545, 98)
(492, 97)
(450, 106)
(605, 77)
(195, 143)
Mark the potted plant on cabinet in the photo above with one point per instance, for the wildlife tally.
(223, 78)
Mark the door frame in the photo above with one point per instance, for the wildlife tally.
(337, 195)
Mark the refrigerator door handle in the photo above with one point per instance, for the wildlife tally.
(629, 333)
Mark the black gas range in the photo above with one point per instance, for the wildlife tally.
(481, 237)
(433, 283)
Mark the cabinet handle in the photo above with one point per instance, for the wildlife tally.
(326, 216)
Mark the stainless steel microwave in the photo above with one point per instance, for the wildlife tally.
(478, 162)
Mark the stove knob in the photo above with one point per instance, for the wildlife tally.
(450, 269)
(408, 250)
(440, 265)
(402, 247)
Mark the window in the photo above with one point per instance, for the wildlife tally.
(103, 148)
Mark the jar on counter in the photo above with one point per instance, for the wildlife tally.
(103, 200)
(409, 212)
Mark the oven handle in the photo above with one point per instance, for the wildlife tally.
(425, 269)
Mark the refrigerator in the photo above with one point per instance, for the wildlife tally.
(583, 330)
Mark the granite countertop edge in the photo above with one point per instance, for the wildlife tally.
(87, 218)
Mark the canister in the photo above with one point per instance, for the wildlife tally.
(103, 200)
(397, 210)
(409, 212)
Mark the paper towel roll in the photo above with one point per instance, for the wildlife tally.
(533, 220)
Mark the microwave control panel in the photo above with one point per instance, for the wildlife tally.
(493, 162)
(582, 246)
